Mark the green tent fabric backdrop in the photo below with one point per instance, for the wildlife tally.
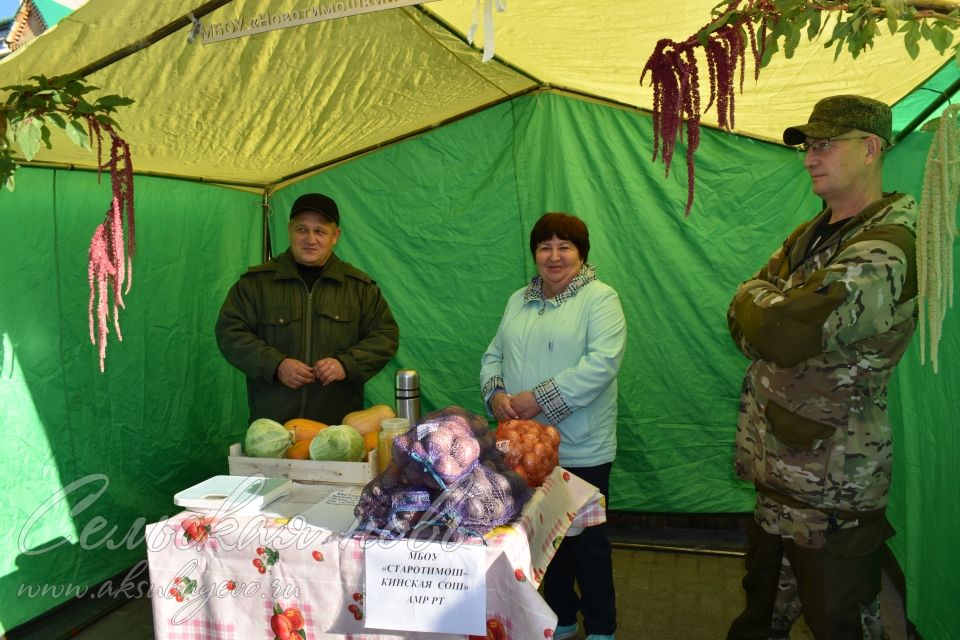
(441, 221)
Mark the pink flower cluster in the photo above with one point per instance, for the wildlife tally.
(110, 257)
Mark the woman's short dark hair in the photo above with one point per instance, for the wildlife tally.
(565, 227)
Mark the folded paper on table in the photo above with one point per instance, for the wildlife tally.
(335, 511)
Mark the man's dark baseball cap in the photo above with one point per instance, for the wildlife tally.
(836, 115)
(317, 203)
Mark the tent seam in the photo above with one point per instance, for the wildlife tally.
(443, 24)
(60, 312)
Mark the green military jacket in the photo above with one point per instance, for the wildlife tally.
(269, 315)
(824, 332)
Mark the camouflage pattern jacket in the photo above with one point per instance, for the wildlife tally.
(824, 332)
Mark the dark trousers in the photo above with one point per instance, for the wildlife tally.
(833, 582)
(585, 560)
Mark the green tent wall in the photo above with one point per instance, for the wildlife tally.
(441, 221)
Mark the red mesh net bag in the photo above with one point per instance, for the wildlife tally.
(529, 448)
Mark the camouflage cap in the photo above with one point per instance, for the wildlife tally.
(837, 115)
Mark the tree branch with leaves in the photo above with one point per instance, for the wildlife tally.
(767, 27)
(27, 118)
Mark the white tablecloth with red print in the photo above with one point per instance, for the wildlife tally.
(250, 577)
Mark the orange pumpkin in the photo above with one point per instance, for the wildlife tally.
(369, 420)
(370, 439)
(303, 429)
(299, 450)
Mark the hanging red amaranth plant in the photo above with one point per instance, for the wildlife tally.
(112, 246)
(27, 117)
(676, 83)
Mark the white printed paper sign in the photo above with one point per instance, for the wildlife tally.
(418, 586)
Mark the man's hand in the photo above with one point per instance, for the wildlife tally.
(329, 370)
(294, 373)
(525, 404)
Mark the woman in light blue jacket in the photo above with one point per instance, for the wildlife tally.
(555, 359)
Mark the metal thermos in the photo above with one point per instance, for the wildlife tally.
(408, 395)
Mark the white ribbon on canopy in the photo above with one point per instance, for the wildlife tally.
(488, 36)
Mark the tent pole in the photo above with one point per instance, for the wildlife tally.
(151, 39)
(267, 250)
(933, 106)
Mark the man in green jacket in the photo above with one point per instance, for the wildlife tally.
(307, 329)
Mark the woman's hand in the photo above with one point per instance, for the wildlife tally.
(525, 405)
(502, 406)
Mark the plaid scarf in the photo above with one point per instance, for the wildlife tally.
(588, 274)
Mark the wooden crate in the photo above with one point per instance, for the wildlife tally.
(306, 471)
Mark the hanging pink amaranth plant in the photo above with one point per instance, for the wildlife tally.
(112, 246)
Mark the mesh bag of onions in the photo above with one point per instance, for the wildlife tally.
(481, 500)
(529, 448)
(446, 472)
(442, 448)
(391, 506)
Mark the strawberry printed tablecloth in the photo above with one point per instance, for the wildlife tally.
(246, 577)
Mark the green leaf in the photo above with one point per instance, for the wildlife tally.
(7, 168)
(76, 88)
(913, 31)
(14, 118)
(925, 30)
(704, 34)
(941, 37)
(103, 118)
(113, 101)
(912, 46)
(57, 119)
(892, 24)
(791, 40)
(813, 28)
(45, 136)
(78, 134)
(769, 50)
(790, 6)
(37, 102)
(28, 137)
(41, 80)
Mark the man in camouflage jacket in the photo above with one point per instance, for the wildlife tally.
(824, 322)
